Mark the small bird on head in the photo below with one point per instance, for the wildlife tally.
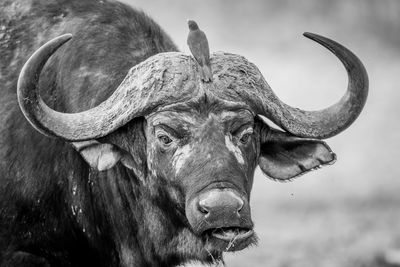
(198, 44)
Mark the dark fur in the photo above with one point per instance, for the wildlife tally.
(54, 210)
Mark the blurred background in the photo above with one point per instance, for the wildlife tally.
(347, 214)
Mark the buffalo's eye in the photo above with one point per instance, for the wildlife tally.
(246, 135)
(245, 138)
(164, 139)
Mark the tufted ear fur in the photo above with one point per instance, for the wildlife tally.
(103, 156)
(284, 156)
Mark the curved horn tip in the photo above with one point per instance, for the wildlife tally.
(310, 35)
(63, 38)
(316, 38)
(66, 35)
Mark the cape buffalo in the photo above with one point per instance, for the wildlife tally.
(132, 159)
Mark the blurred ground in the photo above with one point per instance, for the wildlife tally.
(347, 214)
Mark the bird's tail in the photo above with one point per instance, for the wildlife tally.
(206, 73)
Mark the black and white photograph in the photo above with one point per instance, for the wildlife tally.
(199, 133)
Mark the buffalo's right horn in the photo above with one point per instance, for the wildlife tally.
(245, 83)
(331, 120)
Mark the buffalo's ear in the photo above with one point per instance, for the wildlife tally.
(103, 156)
(284, 156)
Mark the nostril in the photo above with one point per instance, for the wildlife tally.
(202, 210)
(202, 207)
(239, 209)
(240, 206)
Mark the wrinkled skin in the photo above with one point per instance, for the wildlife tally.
(202, 149)
(173, 175)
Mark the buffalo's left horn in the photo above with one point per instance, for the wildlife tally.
(336, 118)
(142, 90)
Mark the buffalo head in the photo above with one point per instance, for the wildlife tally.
(204, 140)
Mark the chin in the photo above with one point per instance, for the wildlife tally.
(229, 239)
(209, 246)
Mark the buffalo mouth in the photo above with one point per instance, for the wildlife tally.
(230, 238)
